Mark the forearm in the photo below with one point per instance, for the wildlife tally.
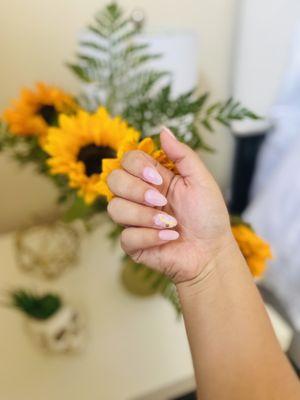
(235, 352)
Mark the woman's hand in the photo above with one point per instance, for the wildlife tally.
(175, 223)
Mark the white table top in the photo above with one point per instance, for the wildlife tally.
(135, 346)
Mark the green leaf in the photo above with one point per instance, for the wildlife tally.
(115, 233)
(238, 220)
(207, 125)
(93, 46)
(78, 210)
(202, 100)
(81, 72)
(116, 65)
(35, 306)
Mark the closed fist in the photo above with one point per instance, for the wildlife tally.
(174, 223)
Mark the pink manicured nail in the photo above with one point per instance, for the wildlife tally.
(155, 198)
(169, 132)
(164, 221)
(152, 176)
(168, 235)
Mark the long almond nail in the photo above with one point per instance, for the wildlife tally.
(169, 132)
(152, 176)
(168, 235)
(164, 221)
(155, 198)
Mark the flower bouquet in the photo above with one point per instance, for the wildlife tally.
(76, 141)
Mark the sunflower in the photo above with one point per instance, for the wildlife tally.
(86, 147)
(255, 250)
(36, 110)
(162, 158)
(146, 145)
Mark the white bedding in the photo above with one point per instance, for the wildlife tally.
(274, 210)
(275, 214)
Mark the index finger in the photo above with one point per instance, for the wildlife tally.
(145, 167)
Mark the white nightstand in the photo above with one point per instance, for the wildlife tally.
(136, 348)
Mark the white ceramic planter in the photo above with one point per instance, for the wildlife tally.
(63, 332)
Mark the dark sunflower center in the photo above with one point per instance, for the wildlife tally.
(49, 114)
(92, 156)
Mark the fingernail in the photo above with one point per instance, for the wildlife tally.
(152, 176)
(155, 198)
(168, 235)
(165, 221)
(169, 132)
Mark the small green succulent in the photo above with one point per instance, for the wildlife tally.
(36, 306)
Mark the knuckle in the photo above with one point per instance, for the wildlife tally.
(136, 256)
(135, 190)
(156, 164)
(123, 239)
(133, 159)
(113, 178)
(111, 207)
(135, 214)
(127, 157)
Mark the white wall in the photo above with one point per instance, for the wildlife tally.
(265, 30)
(37, 36)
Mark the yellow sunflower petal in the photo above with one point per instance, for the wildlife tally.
(147, 145)
(109, 164)
(162, 158)
(103, 190)
(255, 250)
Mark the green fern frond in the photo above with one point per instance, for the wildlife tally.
(114, 62)
(118, 73)
(225, 113)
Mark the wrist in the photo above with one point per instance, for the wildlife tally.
(225, 260)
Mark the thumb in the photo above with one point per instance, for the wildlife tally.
(186, 160)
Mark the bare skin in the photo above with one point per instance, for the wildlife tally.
(178, 224)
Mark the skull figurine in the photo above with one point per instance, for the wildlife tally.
(63, 332)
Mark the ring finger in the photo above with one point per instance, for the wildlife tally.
(127, 213)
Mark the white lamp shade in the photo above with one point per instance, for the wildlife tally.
(179, 56)
(178, 52)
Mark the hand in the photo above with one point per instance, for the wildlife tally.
(151, 200)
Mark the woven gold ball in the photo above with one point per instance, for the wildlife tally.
(48, 249)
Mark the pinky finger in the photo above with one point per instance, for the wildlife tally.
(134, 239)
